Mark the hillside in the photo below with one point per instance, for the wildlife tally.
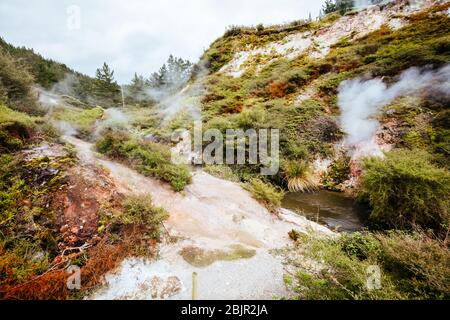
(91, 177)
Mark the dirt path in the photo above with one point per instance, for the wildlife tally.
(224, 235)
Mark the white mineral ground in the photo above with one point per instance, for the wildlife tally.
(212, 215)
(317, 44)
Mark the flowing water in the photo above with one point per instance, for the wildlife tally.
(333, 209)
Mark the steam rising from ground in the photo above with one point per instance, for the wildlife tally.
(362, 4)
(186, 100)
(361, 100)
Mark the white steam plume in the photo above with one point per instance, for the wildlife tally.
(362, 4)
(112, 118)
(359, 101)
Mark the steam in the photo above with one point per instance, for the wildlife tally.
(66, 129)
(361, 100)
(113, 118)
(187, 100)
(362, 4)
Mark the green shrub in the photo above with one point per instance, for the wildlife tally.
(338, 172)
(406, 190)
(412, 267)
(139, 211)
(16, 85)
(148, 158)
(419, 264)
(15, 129)
(267, 194)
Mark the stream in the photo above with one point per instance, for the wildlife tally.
(332, 209)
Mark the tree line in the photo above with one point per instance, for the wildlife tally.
(342, 6)
(104, 88)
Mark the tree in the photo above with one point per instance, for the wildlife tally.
(106, 88)
(342, 6)
(329, 6)
(137, 85)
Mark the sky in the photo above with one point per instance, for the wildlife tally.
(134, 35)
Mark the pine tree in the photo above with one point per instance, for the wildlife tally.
(137, 85)
(106, 88)
(329, 6)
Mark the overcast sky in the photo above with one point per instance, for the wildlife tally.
(134, 35)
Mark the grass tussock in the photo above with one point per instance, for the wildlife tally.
(265, 193)
(299, 177)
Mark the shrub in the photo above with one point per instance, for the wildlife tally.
(16, 85)
(267, 194)
(419, 264)
(406, 190)
(151, 159)
(139, 211)
(15, 129)
(338, 173)
(413, 266)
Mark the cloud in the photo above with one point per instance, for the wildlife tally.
(136, 35)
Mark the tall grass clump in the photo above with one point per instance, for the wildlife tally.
(265, 193)
(299, 176)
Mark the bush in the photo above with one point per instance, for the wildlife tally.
(413, 266)
(406, 190)
(16, 85)
(139, 211)
(15, 129)
(338, 173)
(267, 194)
(148, 158)
(419, 264)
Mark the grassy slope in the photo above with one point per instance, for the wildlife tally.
(266, 99)
(413, 266)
